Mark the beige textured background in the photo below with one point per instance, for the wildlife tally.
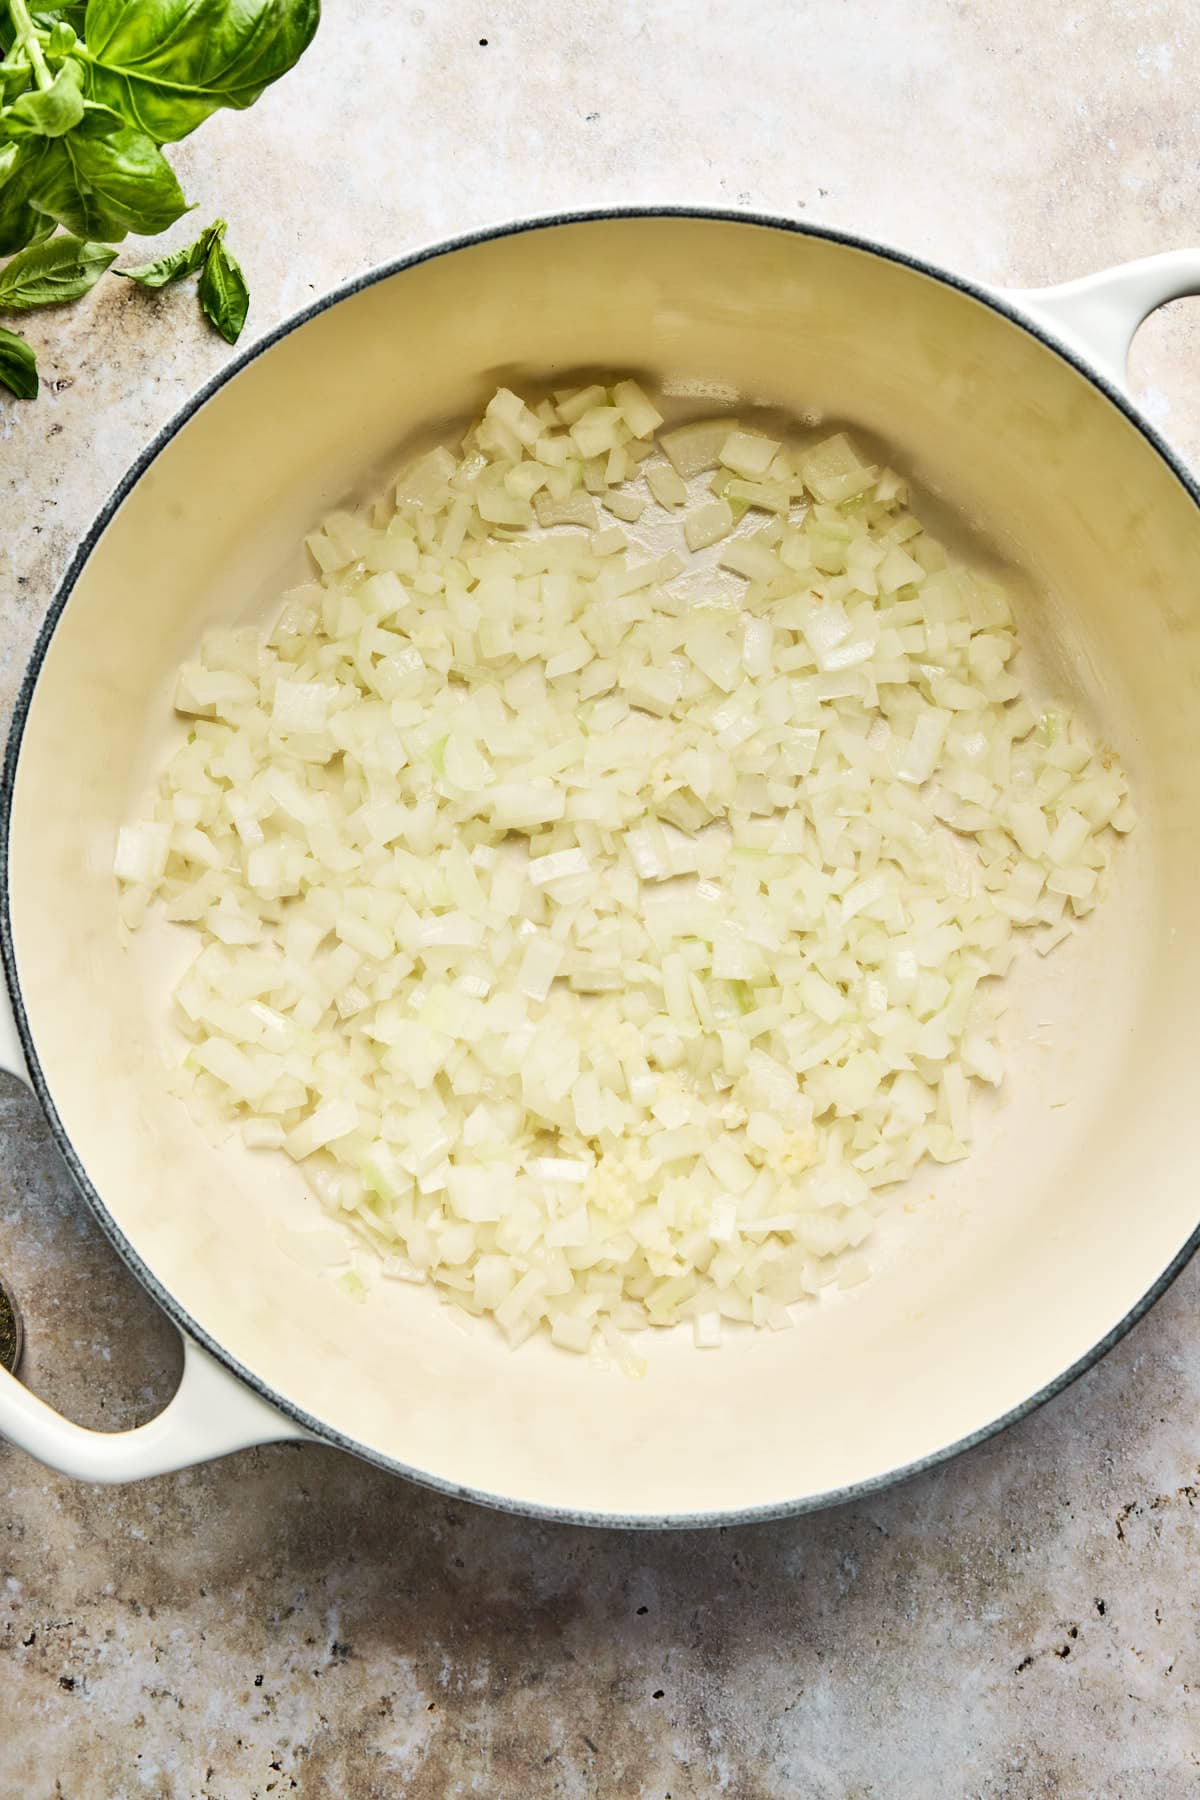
(1019, 1624)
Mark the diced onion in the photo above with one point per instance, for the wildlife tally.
(603, 950)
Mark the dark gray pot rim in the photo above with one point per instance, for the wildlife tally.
(116, 1237)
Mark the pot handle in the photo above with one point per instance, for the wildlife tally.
(210, 1414)
(1100, 314)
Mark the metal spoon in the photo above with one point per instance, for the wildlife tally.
(10, 1332)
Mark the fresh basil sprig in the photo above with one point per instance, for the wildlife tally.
(224, 296)
(89, 93)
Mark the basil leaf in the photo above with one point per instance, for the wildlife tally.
(18, 366)
(167, 64)
(20, 224)
(50, 111)
(104, 178)
(62, 40)
(14, 79)
(179, 264)
(224, 296)
(64, 269)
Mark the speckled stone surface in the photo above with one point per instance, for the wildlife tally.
(1022, 1623)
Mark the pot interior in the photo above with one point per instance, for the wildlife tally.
(1006, 1269)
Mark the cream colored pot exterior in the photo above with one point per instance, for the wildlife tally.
(1017, 1267)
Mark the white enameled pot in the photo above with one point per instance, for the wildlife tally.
(1022, 1265)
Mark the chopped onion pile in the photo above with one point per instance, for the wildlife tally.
(606, 943)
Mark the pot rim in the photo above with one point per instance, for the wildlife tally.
(998, 302)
